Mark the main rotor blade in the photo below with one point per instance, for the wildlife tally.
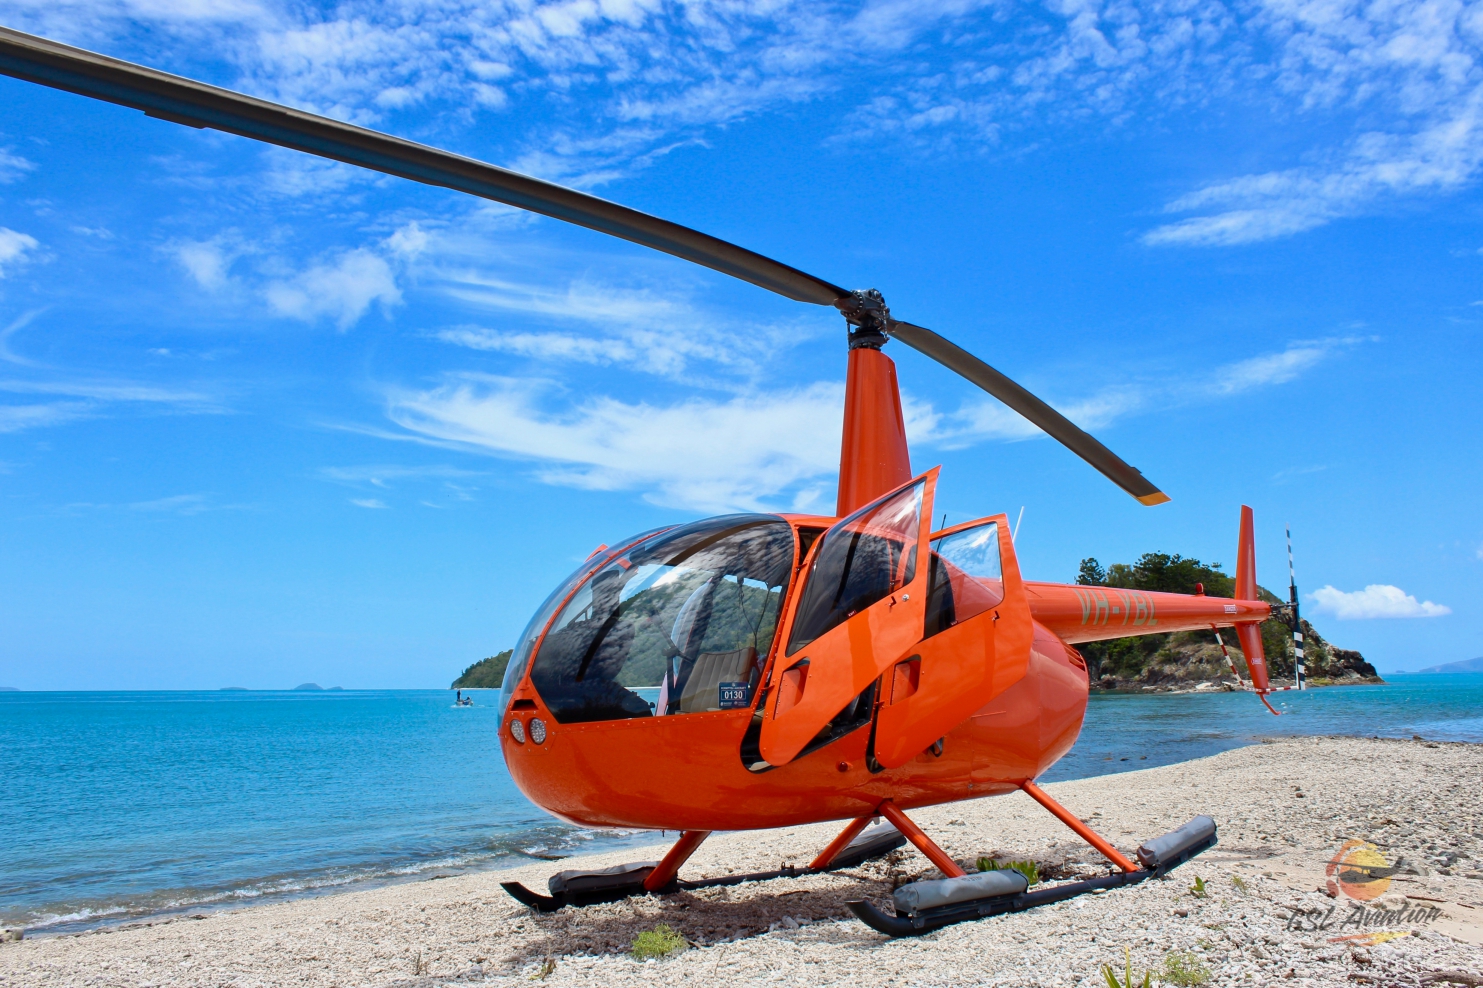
(196, 104)
(1055, 424)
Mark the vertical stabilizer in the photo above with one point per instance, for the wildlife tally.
(1250, 632)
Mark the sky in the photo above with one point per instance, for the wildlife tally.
(266, 419)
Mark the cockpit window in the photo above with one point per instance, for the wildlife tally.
(679, 624)
(967, 577)
(863, 559)
(520, 656)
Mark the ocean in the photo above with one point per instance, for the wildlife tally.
(115, 806)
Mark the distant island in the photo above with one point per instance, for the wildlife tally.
(1466, 665)
(316, 688)
(234, 689)
(10, 689)
(486, 674)
(1185, 659)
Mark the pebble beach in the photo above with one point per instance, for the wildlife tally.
(1263, 914)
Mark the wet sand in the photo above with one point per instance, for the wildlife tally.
(1284, 808)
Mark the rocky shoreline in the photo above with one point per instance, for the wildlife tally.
(1264, 916)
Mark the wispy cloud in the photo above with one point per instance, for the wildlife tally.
(341, 289)
(14, 418)
(14, 247)
(369, 502)
(108, 391)
(13, 167)
(208, 262)
(178, 504)
(745, 452)
(1378, 600)
(381, 475)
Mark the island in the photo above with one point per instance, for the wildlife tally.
(486, 674)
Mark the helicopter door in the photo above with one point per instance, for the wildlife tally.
(859, 611)
(976, 641)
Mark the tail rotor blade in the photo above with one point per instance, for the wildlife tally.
(1056, 425)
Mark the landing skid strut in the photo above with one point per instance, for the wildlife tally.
(920, 907)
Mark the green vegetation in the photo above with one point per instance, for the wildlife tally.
(1127, 982)
(1198, 889)
(1184, 968)
(1029, 869)
(486, 674)
(1240, 885)
(1151, 659)
(547, 968)
(657, 943)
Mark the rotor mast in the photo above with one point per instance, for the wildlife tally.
(873, 458)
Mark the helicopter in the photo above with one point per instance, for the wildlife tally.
(760, 670)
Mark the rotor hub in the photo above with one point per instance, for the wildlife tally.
(868, 318)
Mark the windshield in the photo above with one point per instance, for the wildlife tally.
(520, 657)
(681, 623)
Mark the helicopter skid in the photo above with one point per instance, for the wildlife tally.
(614, 885)
(928, 920)
(551, 903)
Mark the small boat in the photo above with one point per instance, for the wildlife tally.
(463, 701)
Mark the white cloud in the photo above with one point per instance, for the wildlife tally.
(1271, 368)
(107, 391)
(208, 262)
(367, 502)
(13, 167)
(14, 246)
(342, 289)
(16, 325)
(747, 452)
(1378, 600)
(14, 418)
(179, 504)
(379, 474)
(658, 330)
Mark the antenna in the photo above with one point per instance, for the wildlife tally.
(1014, 535)
(1299, 672)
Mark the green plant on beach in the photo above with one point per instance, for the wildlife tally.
(547, 968)
(1198, 889)
(659, 942)
(1029, 869)
(1237, 881)
(1127, 982)
(1184, 968)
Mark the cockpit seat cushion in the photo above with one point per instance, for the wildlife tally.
(632, 873)
(912, 899)
(702, 690)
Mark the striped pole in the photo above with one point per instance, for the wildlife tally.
(1227, 653)
(1299, 670)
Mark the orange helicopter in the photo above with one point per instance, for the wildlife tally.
(769, 670)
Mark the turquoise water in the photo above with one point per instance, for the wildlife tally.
(118, 805)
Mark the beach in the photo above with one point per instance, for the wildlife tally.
(1284, 809)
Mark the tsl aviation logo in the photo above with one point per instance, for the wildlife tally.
(1361, 872)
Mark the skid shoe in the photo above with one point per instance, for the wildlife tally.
(922, 907)
(586, 888)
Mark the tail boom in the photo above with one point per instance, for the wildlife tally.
(1088, 613)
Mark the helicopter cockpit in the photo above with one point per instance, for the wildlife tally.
(680, 623)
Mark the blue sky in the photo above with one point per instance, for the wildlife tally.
(265, 419)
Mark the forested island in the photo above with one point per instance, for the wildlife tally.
(1186, 658)
(1179, 660)
(486, 674)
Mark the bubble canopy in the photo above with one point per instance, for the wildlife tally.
(690, 612)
